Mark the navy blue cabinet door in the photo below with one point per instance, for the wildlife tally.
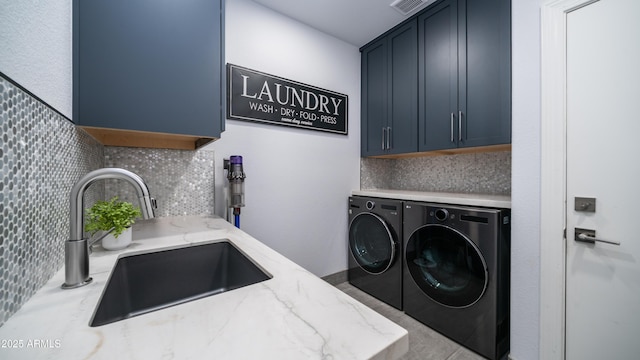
(464, 74)
(403, 86)
(485, 72)
(374, 98)
(389, 93)
(149, 65)
(438, 77)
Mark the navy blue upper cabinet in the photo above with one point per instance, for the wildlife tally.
(464, 74)
(150, 66)
(389, 93)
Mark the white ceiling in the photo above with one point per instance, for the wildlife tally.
(354, 21)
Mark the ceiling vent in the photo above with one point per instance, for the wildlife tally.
(406, 7)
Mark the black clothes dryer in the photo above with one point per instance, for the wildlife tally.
(375, 248)
(456, 273)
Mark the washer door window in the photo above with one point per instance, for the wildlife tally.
(446, 265)
(371, 243)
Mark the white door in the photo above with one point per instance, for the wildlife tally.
(603, 162)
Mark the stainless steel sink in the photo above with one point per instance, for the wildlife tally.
(152, 281)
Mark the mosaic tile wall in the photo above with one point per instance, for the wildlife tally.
(181, 181)
(42, 155)
(480, 173)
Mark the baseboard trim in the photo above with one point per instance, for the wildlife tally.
(337, 278)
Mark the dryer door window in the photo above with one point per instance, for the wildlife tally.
(446, 265)
(371, 243)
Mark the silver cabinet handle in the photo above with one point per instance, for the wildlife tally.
(459, 125)
(452, 116)
(383, 136)
(389, 143)
(586, 235)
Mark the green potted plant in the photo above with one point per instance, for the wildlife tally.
(114, 216)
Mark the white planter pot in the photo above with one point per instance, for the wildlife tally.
(111, 243)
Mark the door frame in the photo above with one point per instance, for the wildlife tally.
(553, 202)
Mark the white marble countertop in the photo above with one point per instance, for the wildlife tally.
(294, 315)
(484, 200)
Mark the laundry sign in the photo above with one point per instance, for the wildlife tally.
(260, 97)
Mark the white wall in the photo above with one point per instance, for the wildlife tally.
(298, 181)
(35, 48)
(525, 175)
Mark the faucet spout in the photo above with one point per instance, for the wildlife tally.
(76, 247)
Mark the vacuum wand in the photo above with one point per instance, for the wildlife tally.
(236, 176)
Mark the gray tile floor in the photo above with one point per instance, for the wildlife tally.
(424, 343)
